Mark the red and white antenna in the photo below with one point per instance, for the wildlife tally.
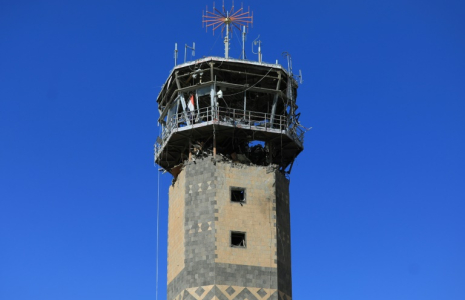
(227, 19)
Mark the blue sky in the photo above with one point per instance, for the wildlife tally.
(377, 196)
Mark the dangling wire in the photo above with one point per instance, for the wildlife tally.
(158, 217)
(251, 85)
(209, 52)
(158, 214)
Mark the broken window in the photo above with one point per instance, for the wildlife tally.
(238, 239)
(237, 194)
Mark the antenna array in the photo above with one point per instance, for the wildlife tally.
(227, 19)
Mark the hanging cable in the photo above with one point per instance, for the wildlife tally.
(209, 52)
(239, 40)
(158, 215)
(271, 231)
(252, 85)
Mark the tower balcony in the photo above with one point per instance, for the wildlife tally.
(199, 125)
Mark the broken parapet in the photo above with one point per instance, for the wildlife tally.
(239, 152)
(219, 158)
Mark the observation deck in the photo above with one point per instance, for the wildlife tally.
(242, 110)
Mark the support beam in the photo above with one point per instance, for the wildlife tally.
(166, 109)
(178, 84)
(213, 97)
(166, 94)
(252, 89)
(194, 87)
(273, 109)
(245, 102)
(275, 100)
(211, 70)
(245, 73)
(183, 101)
(279, 81)
(184, 109)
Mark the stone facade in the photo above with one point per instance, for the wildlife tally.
(202, 264)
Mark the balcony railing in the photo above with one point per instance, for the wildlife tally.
(228, 117)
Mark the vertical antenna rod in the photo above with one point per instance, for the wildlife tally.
(289, 62)
(185, 50)
(243, 42)
(226, 38)
(175, 54)
(255, 42)
(227, 20)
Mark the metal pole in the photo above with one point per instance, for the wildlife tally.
(185, 50)
(226, 39)
(243, 42)
(175, 54)
(245, 102)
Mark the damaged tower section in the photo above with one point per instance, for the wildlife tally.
(230, 134)
(242, 111)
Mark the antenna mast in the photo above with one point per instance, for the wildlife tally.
(227, 19)
(175, 54)
(255, 42)
(243, 43)
(189, 47)
(289, 62)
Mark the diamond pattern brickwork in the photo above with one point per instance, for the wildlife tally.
(227, 292)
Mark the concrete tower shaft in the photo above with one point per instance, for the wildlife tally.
(204, 259)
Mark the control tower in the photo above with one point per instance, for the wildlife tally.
(230, 134)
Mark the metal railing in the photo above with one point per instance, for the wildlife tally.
(228, 117)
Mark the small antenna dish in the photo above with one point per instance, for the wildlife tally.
(255, 42)
(301, 80)
(185, 50)
(289, 62)
(226, 20)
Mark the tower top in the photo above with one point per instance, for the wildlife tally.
(227, 19)
(233, 109)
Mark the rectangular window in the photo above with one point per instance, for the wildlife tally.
(237, 194)
(238, 239)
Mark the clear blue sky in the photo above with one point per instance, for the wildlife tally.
(377, 196)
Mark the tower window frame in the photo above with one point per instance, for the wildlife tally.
(238, 194)
(238, 239)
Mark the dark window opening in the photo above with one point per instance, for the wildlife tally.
(238, 195)
(238, 239)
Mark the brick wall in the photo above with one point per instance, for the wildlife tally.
(201, 262)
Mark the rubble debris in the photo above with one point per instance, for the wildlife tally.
(243, 159)
(175, 172)
(237, 151)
